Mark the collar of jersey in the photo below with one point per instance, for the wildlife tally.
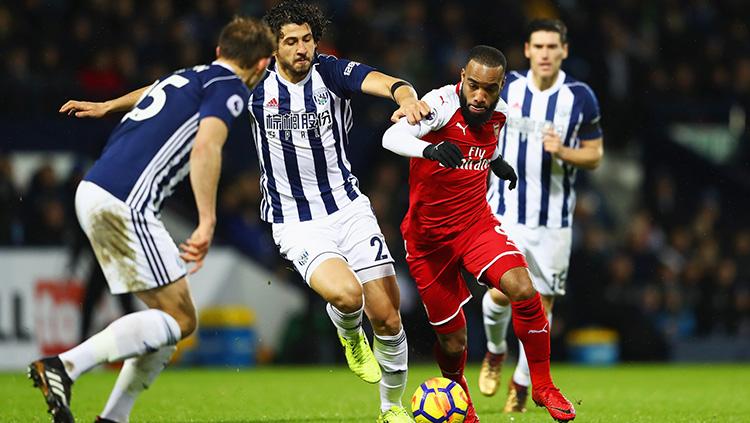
(556, 86)
(224, 65)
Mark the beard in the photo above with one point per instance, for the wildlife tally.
(475, 120)
(297, 70)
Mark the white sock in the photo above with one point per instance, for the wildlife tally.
(392, 352)
(347, 324)
(521, 376)
(130, 335)
(137, 374)
(496, 319)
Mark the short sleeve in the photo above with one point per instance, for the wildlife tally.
(590, 126)
(225, 100)
(343, 77)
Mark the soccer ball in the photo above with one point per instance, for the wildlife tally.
(439, 400)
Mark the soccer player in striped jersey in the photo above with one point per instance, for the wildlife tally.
(449, 225)
(179, 126)
(321, 221)
(552, 131)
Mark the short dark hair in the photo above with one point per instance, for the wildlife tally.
(296, 12)
(550, 25)
(246, 40)
(488, 56)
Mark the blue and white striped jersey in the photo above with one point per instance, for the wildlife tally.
(148, 153)
(545, 194)
(301, 132)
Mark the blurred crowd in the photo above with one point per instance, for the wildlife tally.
(679, 265)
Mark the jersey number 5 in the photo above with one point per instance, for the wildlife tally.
(158, 96)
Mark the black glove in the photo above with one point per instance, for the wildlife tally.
(448, 154)
(503, 170)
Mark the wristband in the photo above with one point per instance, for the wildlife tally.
(396, 86)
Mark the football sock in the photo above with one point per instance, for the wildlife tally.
(137, 374)
(392, 353)
(496, 319)
(521, 374)
(129, 336)
(347, 324)
(452, 367)
(532, 329)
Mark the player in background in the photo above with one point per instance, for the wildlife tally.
(449, 224)
(179, 126)
(552, 130)
(321, 221)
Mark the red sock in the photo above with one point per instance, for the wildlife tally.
(452, 367)
(532, 328)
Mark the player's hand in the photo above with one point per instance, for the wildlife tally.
(504, 171)
(552, 142)
(85, 108)
(195, 248)
(413, 110)
(448, 154)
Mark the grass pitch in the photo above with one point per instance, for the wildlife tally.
(626, 393)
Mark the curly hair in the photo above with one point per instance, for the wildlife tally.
(296, 12)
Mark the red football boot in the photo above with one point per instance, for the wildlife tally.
(556, 404)
(471, 414)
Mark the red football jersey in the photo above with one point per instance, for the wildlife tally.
(444, 201)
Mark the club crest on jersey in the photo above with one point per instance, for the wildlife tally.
(496, 128)
(321, 96)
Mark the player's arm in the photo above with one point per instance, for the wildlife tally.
(591, 150)
(99, 109)
(382, 85)
(205, 167)
(587, 156)
(403, 139)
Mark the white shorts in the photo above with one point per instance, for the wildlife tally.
(547, 251)
(351, 233)
(134, 249)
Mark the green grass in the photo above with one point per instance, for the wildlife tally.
(628, 393)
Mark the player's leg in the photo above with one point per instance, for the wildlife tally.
(132, 335)
(363, 244)
(496, 314)
(138, 373)
(115, 232)
(548, 254)
(450, 353)
(382, 302)
(518, 386)
(498, 263)
(311, 246)
(336, 283)
(444, 292)
(532, 328)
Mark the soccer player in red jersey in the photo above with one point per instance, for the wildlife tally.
(450, 225)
